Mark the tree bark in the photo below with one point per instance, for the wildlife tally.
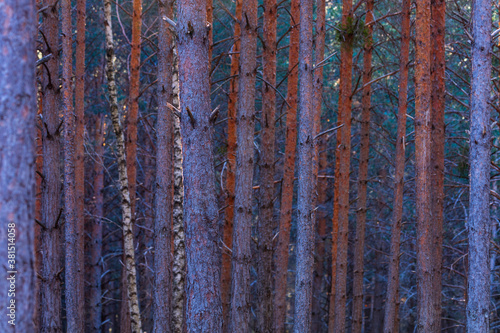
(203, 307)
(164, 177)
(94, 243)
(320, 164)
(230, 169)
(266, 169)
(438, 94)
(364, 155)
(179, 267)
(425, 306)
(306, 179)
(392, 302)
(281, 252)
(73, 227)
(241, 255)
(50, 244)
(478, 290)
(127, 222)
(342, 182)
(17, 168)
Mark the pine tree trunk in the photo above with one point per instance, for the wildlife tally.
(422, 165)
(306, 179)
(164, 177)
(364, 155)
(73, 228)
(342, 182)
(94, 243)
(392, 301)
(281, 252)
(179, 267)
(127, 223)
(320, 164)
(478, 290)
(438, 94)
(51, 246)
(241, 255)
(335, 231)
(203, 307)
(17, 169)
(230, 169)
(266, 168)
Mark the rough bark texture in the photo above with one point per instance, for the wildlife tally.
(17, 162)
(73, 227)
(179, 267)
(306, 179)
(127, 223)
(359, 241)
(241, 259)
(320, 164)
(94, 243)
(342, 182)
(422, 165)
(203, 307)
(478, 290)
(133, 107)
(164, 177)
(50, 244)
(438, 94)
(230, 170)
(392, 301)
(79, 132)
(281, 252)
(266, 168)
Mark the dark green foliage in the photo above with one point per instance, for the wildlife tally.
(354, 32)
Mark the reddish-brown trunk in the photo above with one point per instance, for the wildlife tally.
(320, 164)
(364, 154)
(73, 227)
(425, 237)
(94, 243)
(392, 301)
(438, 94)
(230, 169)
(344, 161)
(266, 192)
(281, 255)
(50, 243)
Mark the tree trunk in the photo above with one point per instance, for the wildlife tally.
(266, 169)
(320, 164)
(478, 290)
(17, 169)
(392, 301)
(94, 243)
(179, 267)
(127, 223)
(203, 308)
(281, 252)
(50, 244)
(241, 255)
(425, 306)
(306, 179)
(364, 155)
(79, 119)
(164, 177)
(230, 169)
(73, 227)
(438, 94)
(344, 161)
